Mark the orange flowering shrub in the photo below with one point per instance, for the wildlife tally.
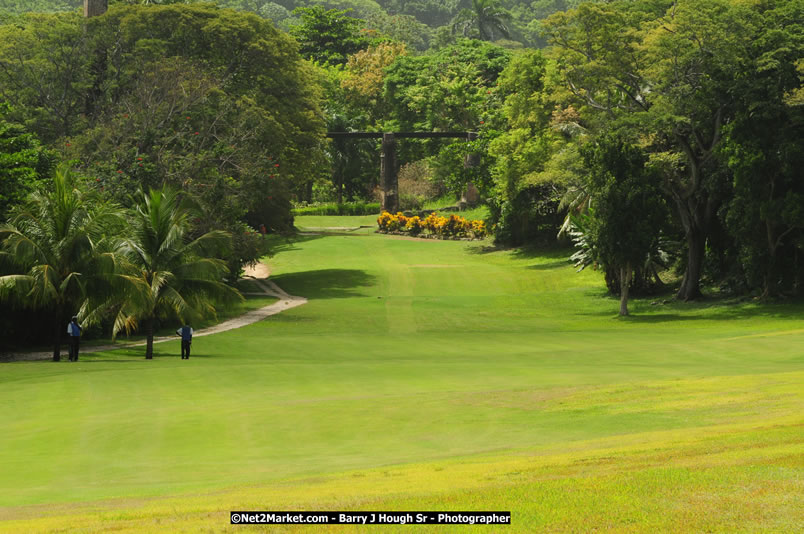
(453, 226)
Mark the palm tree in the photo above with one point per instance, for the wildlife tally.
(60, 247)
(483, 19)
(181, 276)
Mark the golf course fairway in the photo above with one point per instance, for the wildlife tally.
(424, 375)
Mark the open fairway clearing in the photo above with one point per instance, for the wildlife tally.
(502, 382)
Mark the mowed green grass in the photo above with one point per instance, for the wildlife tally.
(425, 374)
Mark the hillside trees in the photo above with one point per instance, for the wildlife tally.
(485, 19)
(211, 101)
(668, 70)
(628, 209)
(45, 73)
(328, 36)
(23, 162)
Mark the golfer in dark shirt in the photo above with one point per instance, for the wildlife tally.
(186, 333)
(74, 331)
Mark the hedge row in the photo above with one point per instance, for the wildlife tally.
(333, 208)
(450, 227)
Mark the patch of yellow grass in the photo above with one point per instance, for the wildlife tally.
(727, 478)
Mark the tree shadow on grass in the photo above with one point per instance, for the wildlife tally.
(325, 283)
(550, 251)
(710, 309)
(280, 243)
(558, 264)
(486, 249)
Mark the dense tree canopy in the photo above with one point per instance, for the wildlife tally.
(328, 36)
(674, 71)
(208, 100)
(23, 162)
(227, 107)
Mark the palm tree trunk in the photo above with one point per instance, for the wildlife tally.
(149, 336)
(57, 336)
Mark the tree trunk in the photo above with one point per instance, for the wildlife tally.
(57, 336)
(149, 339)
(93, 8)
(695, 202)
(625, 282)
(695, 212)
(696, 247)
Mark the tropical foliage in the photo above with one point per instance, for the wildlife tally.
(181, 276)
(486, 20)
(61, 245)
(227, 108)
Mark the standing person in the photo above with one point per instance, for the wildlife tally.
(186, 333)
(74, 331)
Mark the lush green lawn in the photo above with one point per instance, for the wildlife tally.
(425, 375)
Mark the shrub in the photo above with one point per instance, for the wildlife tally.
(453, 226)
(414, 225)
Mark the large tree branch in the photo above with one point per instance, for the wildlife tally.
(695, 167)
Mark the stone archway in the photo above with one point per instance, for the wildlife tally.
(389, 181)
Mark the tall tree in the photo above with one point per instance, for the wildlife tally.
(628, 208)
(486, 20)
(328, 36)
(668, 69)
(181, 275)
(255, 132)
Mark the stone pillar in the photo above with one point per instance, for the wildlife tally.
(472, 159)
(388, 178)
(470, 196)
(93, 8)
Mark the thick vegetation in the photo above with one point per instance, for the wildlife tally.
(230, 108)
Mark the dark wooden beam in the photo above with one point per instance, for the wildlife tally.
(403, 135)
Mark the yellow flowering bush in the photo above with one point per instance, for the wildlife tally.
(414, 225)
(431, 223)
(478, 228)
(400, 220)
(453, 226)
(384, 220)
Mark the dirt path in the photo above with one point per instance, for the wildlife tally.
(258, 274)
